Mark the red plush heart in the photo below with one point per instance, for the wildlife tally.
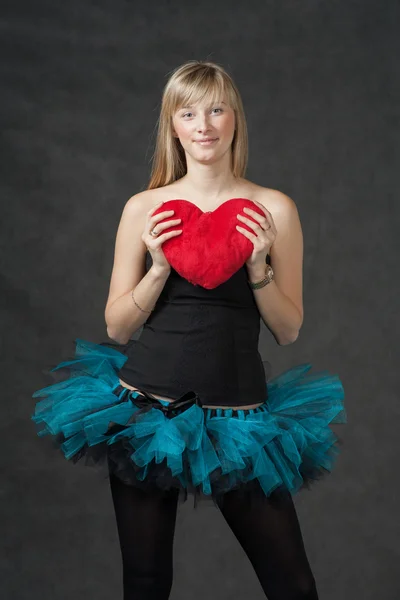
(210, 249)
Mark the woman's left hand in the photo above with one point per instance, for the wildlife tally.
(263, 237)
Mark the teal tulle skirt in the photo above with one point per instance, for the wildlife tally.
(181, 446)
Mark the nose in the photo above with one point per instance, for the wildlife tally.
(202, 123)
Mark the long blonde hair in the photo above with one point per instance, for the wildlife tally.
(190, 83)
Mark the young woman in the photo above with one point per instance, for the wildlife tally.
(200, 257)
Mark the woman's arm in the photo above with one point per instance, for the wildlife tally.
(122, 316)
(281, 302)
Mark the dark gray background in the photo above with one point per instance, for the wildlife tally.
(81, 87)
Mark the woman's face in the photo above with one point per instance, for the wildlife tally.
(205, 121)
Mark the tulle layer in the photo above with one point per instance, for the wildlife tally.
(282, 445)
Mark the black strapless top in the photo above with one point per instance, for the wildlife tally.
(200, 340)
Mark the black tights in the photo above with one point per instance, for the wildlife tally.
(270, 535)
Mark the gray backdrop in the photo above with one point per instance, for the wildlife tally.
(81, 87)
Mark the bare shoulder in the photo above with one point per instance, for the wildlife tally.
(144, 201)
(141, 202)
(277, 202)
(283, 209)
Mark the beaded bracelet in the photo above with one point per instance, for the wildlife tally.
(139, 307)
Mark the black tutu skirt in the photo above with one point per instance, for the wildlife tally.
(183, 447)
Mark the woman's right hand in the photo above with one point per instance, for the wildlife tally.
(154, 242)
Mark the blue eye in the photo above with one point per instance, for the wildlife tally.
(189, 113)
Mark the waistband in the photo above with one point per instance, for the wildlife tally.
(144, 399)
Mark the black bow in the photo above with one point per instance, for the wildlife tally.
(147, 401)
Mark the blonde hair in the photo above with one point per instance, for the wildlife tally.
(190, 83)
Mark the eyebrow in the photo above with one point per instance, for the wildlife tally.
(191, 105)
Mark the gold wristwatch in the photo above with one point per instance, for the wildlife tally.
(269, 275)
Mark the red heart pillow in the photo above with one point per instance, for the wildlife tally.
(210, 249)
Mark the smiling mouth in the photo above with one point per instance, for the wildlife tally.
(206, 142)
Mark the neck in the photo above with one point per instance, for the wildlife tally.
(212, 181)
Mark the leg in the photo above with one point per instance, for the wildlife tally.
(146, 527)
(270, 535)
